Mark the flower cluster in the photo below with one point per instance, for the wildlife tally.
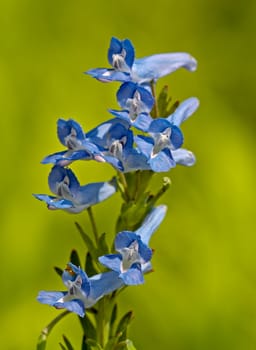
(141, 138)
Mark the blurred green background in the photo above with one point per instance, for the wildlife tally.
(202, 294)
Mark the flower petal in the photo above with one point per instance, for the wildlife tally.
(156, 66)
(183, 111)
(151, 223)
(75, 305)
(107, 75)
(133, 276)
(53, 202)
(184, 157)
(112, 261)
(104, 283)
(59, 174)
(50, 298)
(162, 162)
(94, 193)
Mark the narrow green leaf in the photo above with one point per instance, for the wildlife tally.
(58, 270)
(113, 315)
(88, 327)
(87, 240)
(67, 343)
(90, 266)
(123, 324)
(62, 346)
(74, 258)
(103, 246)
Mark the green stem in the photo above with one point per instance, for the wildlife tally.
(101, 323)
(93, 223)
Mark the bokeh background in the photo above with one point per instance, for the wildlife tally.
(202, 294)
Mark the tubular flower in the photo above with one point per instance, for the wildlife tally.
(134, 254)
(83, 291)
(137, 103)
(144, 70)
(69, 195)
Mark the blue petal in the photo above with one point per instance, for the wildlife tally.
(133, 276)
(64, 158)
(162, 162)
(127, 91)
(104, 283)
(144, 251)
(116, 47)
(50, 298)
(124, 239)
(151, 223)
(75, 305)
(176, 137)
(64, 128)
(156, 66)
(183, 157)
(72, 275)
(145, 144)
(58, 174)
(159, 125)
(112, 261)
(106, 75)
(94, 193)
(53, 202)
(103, 134)
(183, 111)
(133, 160)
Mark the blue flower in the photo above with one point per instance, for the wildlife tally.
(78, 147)
(144, 70)
(157, 148)
(72, 197)
(163, 148)
(134, 254)
(83, 291)
(137, 103)
(116, 142)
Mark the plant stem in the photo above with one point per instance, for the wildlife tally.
(101, 323)
(93, 223)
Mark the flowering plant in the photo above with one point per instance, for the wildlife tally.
(142, 138)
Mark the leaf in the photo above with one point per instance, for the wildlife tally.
(62, 346)
(87, 240)
(123, 324)
(163, 103)
(58, 270)
(113, 315)
(67, 343)
(90, 267)
(103, 246)
(88, 327)
(74, 258)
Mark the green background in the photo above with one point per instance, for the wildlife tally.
(202, 293)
